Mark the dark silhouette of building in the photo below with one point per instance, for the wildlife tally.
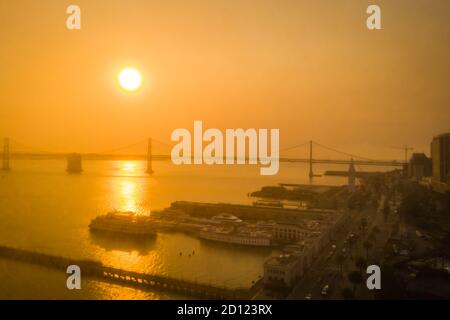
(440, 155)
(419, 166)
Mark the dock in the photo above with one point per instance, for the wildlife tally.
(143, 281)
(359, 174)
(248, 212)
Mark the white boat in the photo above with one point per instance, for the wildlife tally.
(125, 223)
(256, 238)
(226, 218)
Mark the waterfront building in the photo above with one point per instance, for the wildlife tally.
(312, 239)
(283, 271)
(284, 232)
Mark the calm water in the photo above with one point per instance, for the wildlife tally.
(43, 208)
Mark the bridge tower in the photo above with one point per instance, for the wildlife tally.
(5, 165)
(351, 177)
(311, 173)
(74, 163)
(149, 158)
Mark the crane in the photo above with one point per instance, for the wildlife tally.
(405, 148)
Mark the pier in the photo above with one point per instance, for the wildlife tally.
(143, 281)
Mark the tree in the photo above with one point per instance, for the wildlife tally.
(351, 243)
(340, 258)
(395, 229)
(367, 245)
(386, 211)
(347, 294)
(443, 250)
(360, 263)
(363, 224)
(355, 278)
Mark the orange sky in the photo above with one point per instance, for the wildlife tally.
(310, 68)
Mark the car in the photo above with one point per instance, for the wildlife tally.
(325, 290)
(395, 248)
(404, 253)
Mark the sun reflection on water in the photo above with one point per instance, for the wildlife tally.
(128, 167)
(128, 196)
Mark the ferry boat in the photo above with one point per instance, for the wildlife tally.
(268, 203)
(255, 238)
(124, 223)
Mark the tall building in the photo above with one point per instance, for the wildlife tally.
(440, 156)
(419, 166)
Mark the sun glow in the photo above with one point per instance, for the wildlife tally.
(130, 79)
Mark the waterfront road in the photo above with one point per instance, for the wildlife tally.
(326, 270)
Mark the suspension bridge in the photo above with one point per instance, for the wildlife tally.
(16, 150)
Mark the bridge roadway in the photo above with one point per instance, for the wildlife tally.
(92, 156)
(139, 280)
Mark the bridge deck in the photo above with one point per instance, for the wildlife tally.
(387, 163)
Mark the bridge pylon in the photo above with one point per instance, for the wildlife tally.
(6, 155)
(150, 158)
(351, 177)
(311, 173)
(74, 163)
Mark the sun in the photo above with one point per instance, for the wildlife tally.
(130, 79)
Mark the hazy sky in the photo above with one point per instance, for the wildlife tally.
(310, 68)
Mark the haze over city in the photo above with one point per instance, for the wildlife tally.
(313, 70)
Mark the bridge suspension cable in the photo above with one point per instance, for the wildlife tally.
(28, 147)
(124, 147)
(294, 147)
(162, 143)
(342, 152)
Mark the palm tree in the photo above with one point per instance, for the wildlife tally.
(386, 211)
(340, 258)
(351, 243)
(364, 224)
(347, 294)
(360, 263)
(395, 229)
(355, 278)
(367, 245)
